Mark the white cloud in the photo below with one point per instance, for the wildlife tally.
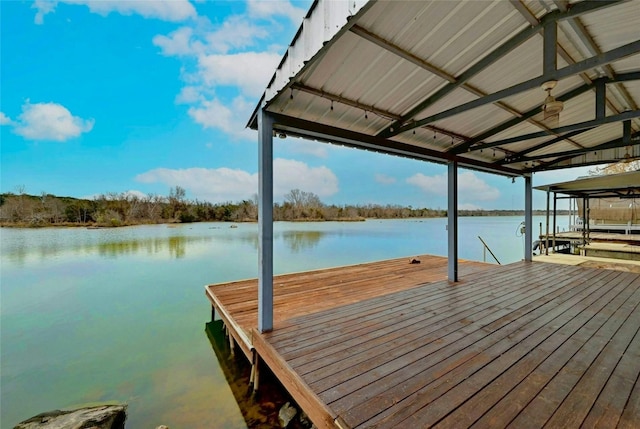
(384, 179)
(470, 186)
(189, 95)
(49, 121)
(268, 9)
(235, 32)
(5, 120)
(166, 10)
(225, 184)
(469, 206)
(302, 146)
(430, 184)
(228, 118)
(177, 43)
(249, 71)
(43, 7)
(223, 69)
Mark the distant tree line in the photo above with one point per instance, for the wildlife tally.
(119, 209)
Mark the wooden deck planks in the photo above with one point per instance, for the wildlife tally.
(523, 345)
(314, 291)
(483, 342)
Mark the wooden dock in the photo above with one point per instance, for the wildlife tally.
(522, 345)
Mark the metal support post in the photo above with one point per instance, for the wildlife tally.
(555, 205)
(528, 218)
(452, 220)
(546, 237)
(265, 221)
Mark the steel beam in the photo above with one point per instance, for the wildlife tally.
(265, 221)
(452, 220)
(470, 144)
(520, 156)
(528, 218)
(329, 134)
(386, 45)
(586, 38)
(549, 48)
(551, 18)
(473, 143)
(601, 99)
(570, 70)
(567, 128)
(563, 156)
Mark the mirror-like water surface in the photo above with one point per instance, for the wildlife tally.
(92, 315)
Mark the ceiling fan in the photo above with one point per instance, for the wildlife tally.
(551, 106)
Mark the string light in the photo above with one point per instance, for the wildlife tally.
(291, 96)
(451, 140)
(365, 115)
(331, 105)
(494, 153)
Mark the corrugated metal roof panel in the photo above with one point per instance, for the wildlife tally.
(613, 27)
(392, 56)
(474, 121)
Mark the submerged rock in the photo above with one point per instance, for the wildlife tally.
(286, 414)
(96, 417)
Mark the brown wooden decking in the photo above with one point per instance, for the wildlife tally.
(524, 345)
(309, 292)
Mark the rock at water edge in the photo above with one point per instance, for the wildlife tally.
(286, 414)
(98, 417)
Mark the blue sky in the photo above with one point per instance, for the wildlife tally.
(118, 96)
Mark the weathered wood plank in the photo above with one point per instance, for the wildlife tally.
(391, 344)
(554, 350)
(525, 332)
(321, 415)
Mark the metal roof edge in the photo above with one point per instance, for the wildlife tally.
(303, 50)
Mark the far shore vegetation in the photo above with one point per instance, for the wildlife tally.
(122, 209)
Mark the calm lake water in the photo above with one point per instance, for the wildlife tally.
(119, 314)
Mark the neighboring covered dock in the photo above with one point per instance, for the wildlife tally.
(511, 88)
(623, 187)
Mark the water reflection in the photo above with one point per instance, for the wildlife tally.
(174, 246)
(298, 241)
(260, 411)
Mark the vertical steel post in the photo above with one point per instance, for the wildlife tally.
(265, 221)
(555, 205)
(546, 238)
(452, 220)
(528, 218)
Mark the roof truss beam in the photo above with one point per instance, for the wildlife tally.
(586, 38)
(327, 133)
(368, 108)
(590, 63)
(563, 156)
(475, 143)
(520, 156)
(568, 128)
(472, 144)
(551, 18)
(460, 82)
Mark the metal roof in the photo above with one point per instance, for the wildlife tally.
(623, 185)
(461, 80)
